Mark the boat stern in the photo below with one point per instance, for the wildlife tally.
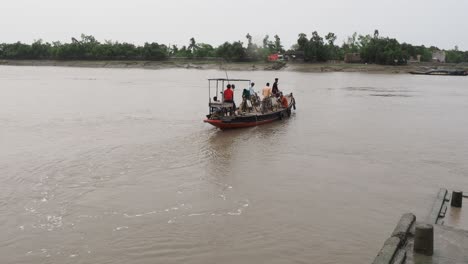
(214, 122)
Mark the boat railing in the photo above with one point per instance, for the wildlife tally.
(221, 105)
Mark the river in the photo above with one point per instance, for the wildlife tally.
(116, 166)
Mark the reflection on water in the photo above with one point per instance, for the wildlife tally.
(391, 95)
(383, 92)
(110, 165)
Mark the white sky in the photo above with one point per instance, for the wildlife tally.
(429, 22)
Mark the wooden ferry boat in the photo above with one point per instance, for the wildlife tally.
(252, 111)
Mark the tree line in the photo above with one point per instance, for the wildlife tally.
(372, 49)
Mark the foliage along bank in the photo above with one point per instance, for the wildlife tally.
(372, 49)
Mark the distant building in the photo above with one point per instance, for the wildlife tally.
(438, 56)
(275, 57)
(352, 58)
(415, 60)
(296, 55)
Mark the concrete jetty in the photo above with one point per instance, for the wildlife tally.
(440, 238)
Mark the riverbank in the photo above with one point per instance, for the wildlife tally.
(237, 66)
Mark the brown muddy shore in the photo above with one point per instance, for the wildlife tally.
(238, 66)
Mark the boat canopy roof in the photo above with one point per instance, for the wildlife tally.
(229, 80)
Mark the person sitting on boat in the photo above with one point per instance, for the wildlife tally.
(283, 100)
(246, 93)
(249, 95)
(229, 96)
(254, 99)
(245, 98)
(275, 91)
(266, 91)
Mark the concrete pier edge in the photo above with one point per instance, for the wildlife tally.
(393, 250)
(452, 243)
(434, 215)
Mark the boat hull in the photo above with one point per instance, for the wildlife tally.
(441, 73)
(248, 121)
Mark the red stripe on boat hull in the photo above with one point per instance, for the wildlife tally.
(223, 125)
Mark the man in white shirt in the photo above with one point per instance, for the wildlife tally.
(251, 89)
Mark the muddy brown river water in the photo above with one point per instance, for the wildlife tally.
(116, 166)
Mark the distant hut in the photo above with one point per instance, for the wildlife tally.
(438, 56)
(352, 58)
(416, 59)
(294, 55)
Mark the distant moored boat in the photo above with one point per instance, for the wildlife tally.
(441, 72)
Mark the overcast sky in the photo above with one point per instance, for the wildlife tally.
(429, 22)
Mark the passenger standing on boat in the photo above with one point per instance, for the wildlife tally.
(234, 103)
(266, 101)
(229, 96)
(266, 92)
(251, 89)
(275, 90)
(284, 101)
(254, 98)
(248, 95)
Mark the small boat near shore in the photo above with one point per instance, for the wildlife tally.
(441, 72)
(252, 111)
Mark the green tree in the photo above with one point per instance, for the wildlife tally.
(40, 50)
(266, 42)
(204, 50)
(332, 50)
(278, 46)
(193, 45)
(249, 40)
(352, 44)
(154, 51)
(253, 52)
(455, 55)
(173, 50)
(302, 42)
(315, 49)
(232, 52)
(383, 51)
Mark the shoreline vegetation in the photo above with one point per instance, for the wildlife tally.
(362, 53)
(200, 64)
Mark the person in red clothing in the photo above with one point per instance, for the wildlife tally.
(284, 101)
(229, 96)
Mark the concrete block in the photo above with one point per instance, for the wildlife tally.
(404, 226)
(457, 199)
(388, 251)
(424, 239)
(433, 216)
(400, 257)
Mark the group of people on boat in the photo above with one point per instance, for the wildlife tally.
(268, 92)
(274, 91)
(250, 95)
